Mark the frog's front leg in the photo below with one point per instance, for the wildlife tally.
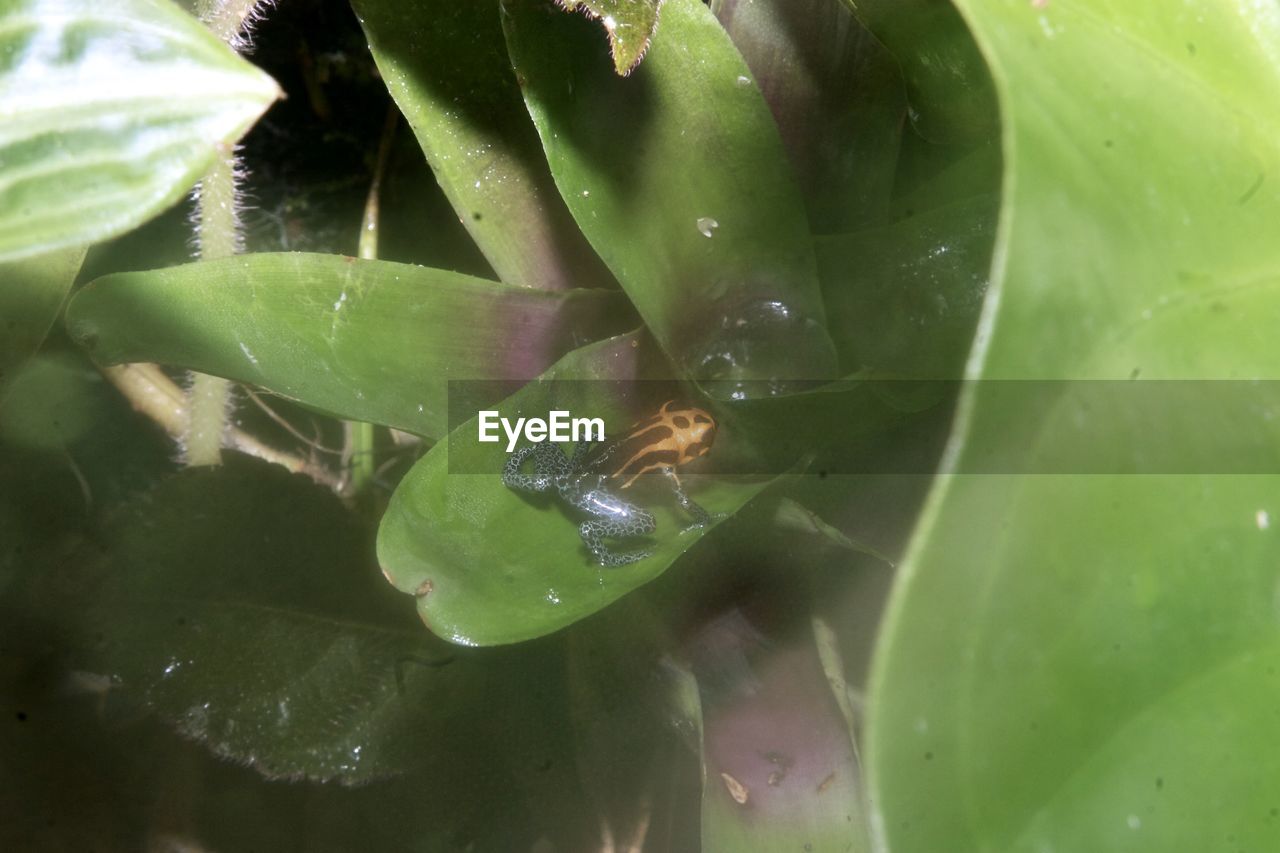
(549, 462)
(701, 518)
(613, 518)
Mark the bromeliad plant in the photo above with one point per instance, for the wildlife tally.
(766, 207)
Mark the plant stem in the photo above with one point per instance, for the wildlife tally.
(219, 238)
(359, 435)
(152, 393)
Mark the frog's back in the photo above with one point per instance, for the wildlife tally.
(674, 436)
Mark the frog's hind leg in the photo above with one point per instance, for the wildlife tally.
(548, 462)
(594, 531)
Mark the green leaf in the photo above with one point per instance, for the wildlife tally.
(837, 97)
(490, 565)
(630, 25)
(31, 295)
(908, 294)
(950, 92)
(1089, 662)
(368, 340)
(108, 115)
(677, 176)
(239, 604)
(446, 65)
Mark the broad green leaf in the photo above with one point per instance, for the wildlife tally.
(240, 604)
(950, 92)
(677, 176)
(446, 65)
(108, 115)
(368, 340)
(837, 97)
(630, 25)
(1088, 662)
(490, 565)
(31, 295)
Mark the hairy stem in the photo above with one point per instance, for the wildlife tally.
(219, 238)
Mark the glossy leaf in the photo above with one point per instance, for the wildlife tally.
(629, 24)
(490, 565)
(368, 340)
(837, 96)
(31, 295)
(109, 115)
(446, 65)
(950, 92)
(1089, 662)
(677, 176)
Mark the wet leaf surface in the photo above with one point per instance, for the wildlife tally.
(679, 179)
(490, 565)
(446, 65)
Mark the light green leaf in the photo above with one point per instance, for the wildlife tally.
(490, 565)
(31, 295)
(108, 114)
(678, 178)
(368, 340)
(1089, 662)
(630, 25)
(446, 65)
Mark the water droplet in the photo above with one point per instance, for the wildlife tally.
(1263, 519)
(586, 193)
(707, 226)
(1134, 821)
(761, 348)
(553, 596)
(744, 81)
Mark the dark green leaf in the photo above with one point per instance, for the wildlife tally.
(368, 340)
(108, 115)
(837, 97)
(950, 91)
(677, 176)
(446, 65)
(240, 603)
(908, 294)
